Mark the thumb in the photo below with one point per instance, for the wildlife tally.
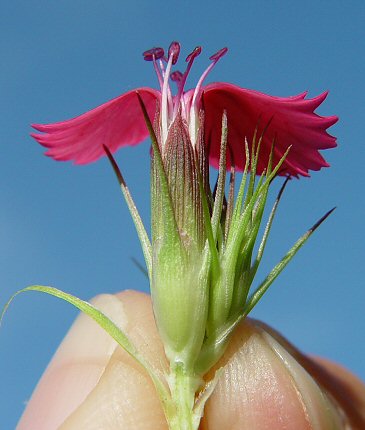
(263, 386)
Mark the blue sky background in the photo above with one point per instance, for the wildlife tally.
(67, 226)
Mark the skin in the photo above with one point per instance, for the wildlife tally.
(91, 383)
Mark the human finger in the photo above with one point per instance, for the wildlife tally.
(91, 381)
(267, 383)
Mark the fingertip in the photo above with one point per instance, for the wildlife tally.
(262, 387)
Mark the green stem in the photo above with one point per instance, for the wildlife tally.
(183, 387)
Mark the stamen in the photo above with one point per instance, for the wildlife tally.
(158, 72)
(215, 57)
(194, 114)
(174, 50)
(164, 101)
(218, 55)
(197, 51)
(190, 60)
(176, 76)
(162, 68)
(153, 54)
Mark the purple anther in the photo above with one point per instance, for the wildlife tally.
(176, 76)
(153, 54)
(194, 54)
(215, 57)
(174, 50)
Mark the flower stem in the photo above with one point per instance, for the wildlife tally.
(183, 386)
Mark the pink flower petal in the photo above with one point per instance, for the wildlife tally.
(116, 123)
(293, 123)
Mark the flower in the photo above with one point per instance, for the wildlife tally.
(203, 254)
(289, 121)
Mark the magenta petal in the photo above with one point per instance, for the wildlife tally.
(116, 123)
(293, 123)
